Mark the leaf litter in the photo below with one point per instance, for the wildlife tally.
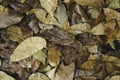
(59, 39)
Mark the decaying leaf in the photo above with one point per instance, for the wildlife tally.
(4, 76)
(6, 19)
(65, 72)
(81, 28)
(15, 33)
(116, 77)
(38, 76)
(114, 4)
(49, 5)
(40, 56)
(42, 15)
(53, 56)
(98, 30)
(51, 74)
(27, 48)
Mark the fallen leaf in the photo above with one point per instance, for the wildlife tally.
(40, 56)
(112, 14)
(98, 30)
(15, 33)
(92, 48)
(45, 69)
(61, 14)
(42, 15)
(89, 65)
(0, 62)
(65, 72)
(116, 77)
(38, 76)
(114, 4)
(81, 28)
(53, 56)
(89, 2)
(3, 9)
(6, 19)
(27, 48)
(4, 76)
(49, 5)
(51, 74)
(22, 1)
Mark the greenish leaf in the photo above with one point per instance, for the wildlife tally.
(114, 4)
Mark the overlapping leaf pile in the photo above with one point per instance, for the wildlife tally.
(59, 39)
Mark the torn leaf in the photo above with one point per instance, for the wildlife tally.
(27, 48)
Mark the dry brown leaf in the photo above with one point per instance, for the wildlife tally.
(65, 72)
(4, 76)
(53, 56)
(15, 33)
(38, 76)
(49, 5)
(27, 48)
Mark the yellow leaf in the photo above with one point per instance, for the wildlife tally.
(92, 48)
(38, 76)
(116, 77)
(4, 76)
(27, 48)
(49, 5)
(114, 4)
(15, 33)
(53, 56)
(3, 9)
(98, 30)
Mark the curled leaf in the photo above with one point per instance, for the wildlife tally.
(4, 76)
(27, 48)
